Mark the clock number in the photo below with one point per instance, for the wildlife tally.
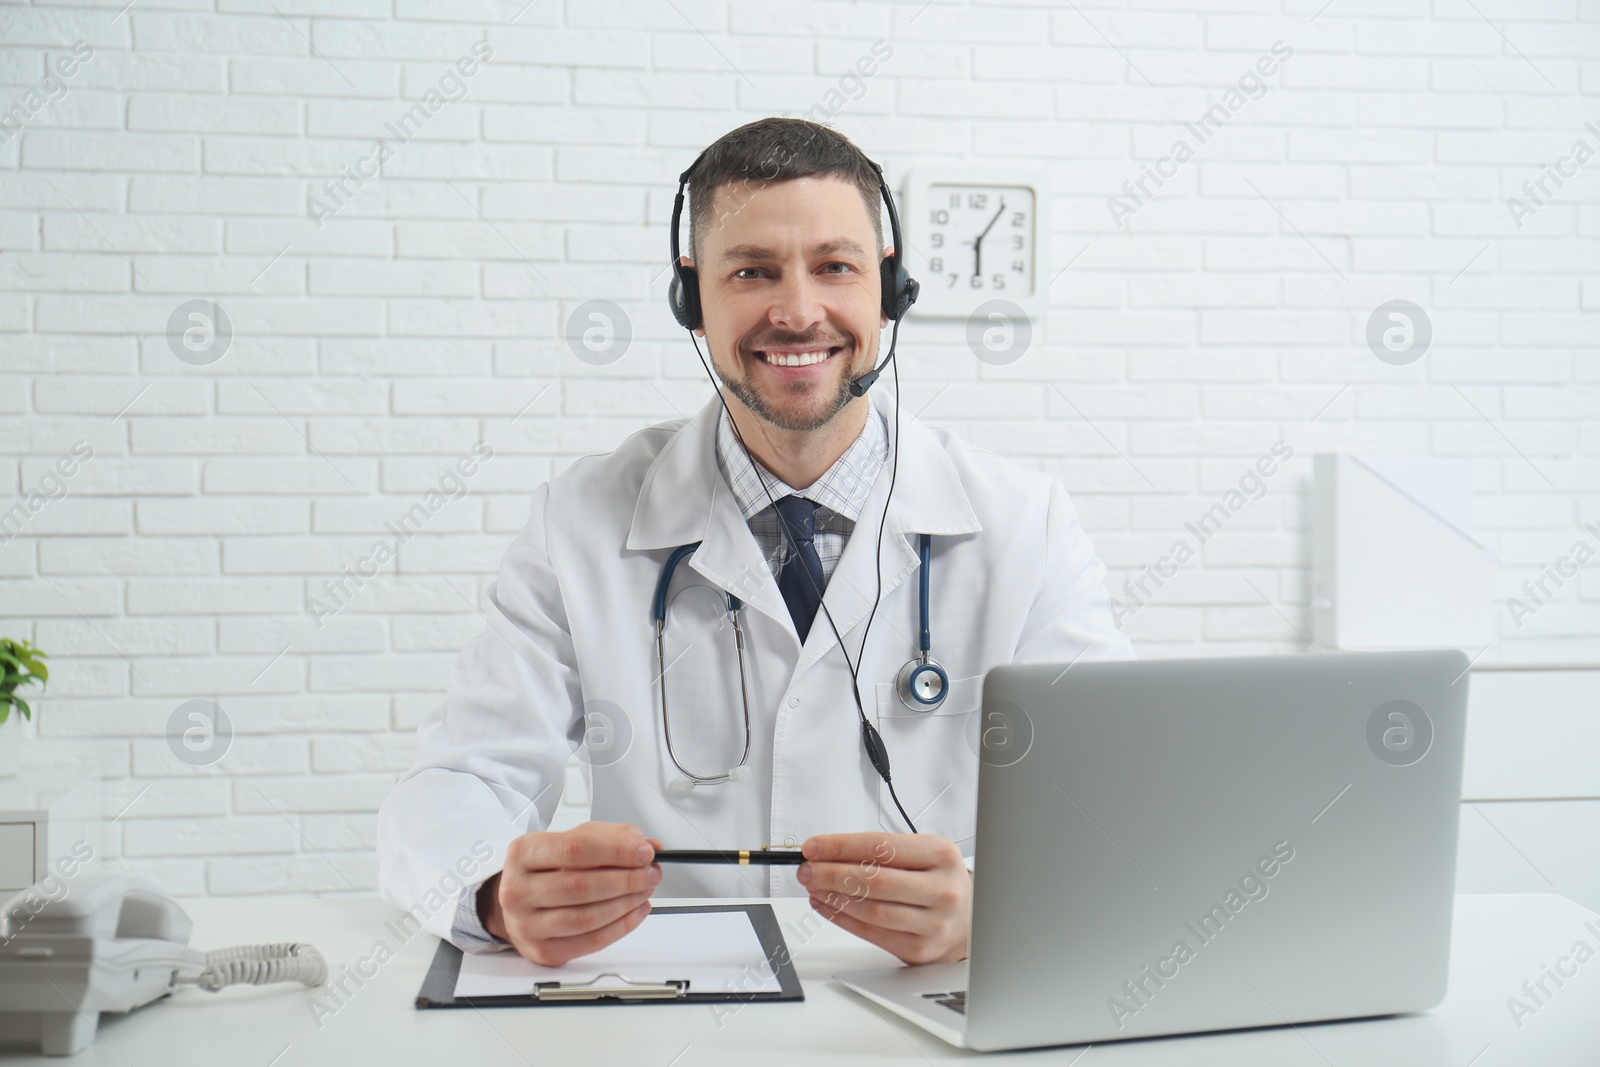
(1019, 265)
(1019, 218)
(977, 200)
(953, 277)
(955, 199)
(1016, 241)
(999, 281)
(977, 281)
(940, 216)
(936, 264)
(936, 239)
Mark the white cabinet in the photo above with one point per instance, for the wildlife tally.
(1530, 822)
(47, 813)
(16, 856)
(1533, 734)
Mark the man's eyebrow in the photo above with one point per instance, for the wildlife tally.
(756, 253)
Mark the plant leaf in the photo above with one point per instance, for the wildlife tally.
(20, 664)
(8, 699)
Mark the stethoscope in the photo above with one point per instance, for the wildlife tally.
(922, 683)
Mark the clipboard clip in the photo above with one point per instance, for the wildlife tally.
(623, 989)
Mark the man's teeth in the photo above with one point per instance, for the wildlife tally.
(797, 359)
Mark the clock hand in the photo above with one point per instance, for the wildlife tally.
(977, 242)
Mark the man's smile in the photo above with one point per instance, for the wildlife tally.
(798, 362)
(800, 358)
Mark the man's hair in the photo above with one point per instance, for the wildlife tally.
(775, 150)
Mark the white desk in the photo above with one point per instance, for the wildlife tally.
(1500, 941)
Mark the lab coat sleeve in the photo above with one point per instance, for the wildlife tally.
(491, 757)
(1070, 617)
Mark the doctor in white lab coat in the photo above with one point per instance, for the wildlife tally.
(569, 659)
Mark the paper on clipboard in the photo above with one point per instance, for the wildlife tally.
(716, 951)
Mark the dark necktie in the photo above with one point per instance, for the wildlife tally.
(801, 581)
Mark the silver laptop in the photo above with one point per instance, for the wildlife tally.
(1175, 846)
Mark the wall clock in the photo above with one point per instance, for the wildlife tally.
(977, 234)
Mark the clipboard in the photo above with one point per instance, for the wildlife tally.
(439, 985)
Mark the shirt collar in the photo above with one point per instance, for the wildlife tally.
(843, 487)
(683, 496)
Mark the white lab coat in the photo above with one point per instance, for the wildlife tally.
(1014, 578)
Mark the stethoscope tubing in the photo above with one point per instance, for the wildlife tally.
(925, 550)
(908, 695)
(659, 611)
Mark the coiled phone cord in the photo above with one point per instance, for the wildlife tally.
(284, 961)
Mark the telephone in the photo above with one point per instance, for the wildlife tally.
(71, 949)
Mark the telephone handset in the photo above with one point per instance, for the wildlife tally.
(114, 943)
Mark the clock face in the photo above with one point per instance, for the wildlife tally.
(979, 240)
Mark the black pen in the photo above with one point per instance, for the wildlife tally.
(770, 857)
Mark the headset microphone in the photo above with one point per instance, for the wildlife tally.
(860, 386)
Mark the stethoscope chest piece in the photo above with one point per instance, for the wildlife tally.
(922, 684)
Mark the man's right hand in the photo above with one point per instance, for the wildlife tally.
(564, 895)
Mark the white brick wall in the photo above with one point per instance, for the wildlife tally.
(425, 314)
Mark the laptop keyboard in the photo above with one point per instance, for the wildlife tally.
(955, 1000)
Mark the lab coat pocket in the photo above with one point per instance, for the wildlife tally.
(933, 757)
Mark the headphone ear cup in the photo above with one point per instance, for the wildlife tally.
(683, 296)
(889, 283)
(899, 288)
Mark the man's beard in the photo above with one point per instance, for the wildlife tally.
(786, 420)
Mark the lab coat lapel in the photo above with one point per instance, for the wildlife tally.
(928, 498)
(684, 499)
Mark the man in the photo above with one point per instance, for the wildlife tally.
(782, 479)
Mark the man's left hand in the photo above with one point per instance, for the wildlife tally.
(910, 894)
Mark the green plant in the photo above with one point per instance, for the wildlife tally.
(20, 663)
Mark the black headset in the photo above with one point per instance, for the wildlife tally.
(899, 293)
(899, 288)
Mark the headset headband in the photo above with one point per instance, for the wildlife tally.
(898, 289)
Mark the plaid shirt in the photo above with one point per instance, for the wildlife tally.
(840, 493)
